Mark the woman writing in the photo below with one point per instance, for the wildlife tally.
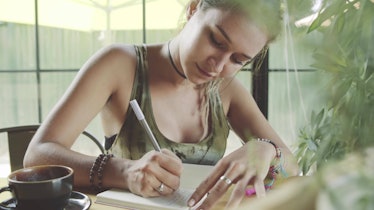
(189, 94)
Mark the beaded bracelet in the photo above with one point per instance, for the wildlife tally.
(94, 169)
(98, 167)
(276, 167)
(277, 149)
(100, 171)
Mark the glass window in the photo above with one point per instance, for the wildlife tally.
(18, 102)
(292, 93)
(38, 62)
(292, 97)
(163, 19)
(17, 35)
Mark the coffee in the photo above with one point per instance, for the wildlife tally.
(41, 187)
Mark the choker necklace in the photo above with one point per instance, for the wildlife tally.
(173, 64)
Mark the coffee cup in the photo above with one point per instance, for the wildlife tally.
(45, 187)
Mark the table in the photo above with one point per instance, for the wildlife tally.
(94, 206)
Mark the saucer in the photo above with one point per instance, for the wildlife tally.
(77, 201)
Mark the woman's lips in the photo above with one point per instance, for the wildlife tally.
(203, 72)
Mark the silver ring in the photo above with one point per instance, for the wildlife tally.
(227, 180)
(161, 188)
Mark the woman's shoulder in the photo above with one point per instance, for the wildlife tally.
(118, 51)
(232, 86)
(231, 89)
(114, 64)
(113, 58)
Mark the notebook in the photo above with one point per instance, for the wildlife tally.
(191, 177)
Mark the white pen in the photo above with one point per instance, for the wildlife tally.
(139, 114)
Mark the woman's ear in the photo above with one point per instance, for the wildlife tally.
(192, 8)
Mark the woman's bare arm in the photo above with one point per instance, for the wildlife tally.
(95, 84)
(248, 122)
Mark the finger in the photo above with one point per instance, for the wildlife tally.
(239, 191)
(222, 185)
(203, 189)
(147, 186)
(170, 162)
(259, 182)
(165, 168)
(236, 196)
(200, 192)
(163, 189)
(259, 187)
(216, 192)
(154, 188)
(169, 153)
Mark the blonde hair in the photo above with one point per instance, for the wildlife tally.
(266, 14)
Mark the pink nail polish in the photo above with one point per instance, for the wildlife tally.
(249, 192)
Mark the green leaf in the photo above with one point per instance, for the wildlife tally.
(317, 118)
(339, 24)
(312, 146)
(315, 24)
(333, 9)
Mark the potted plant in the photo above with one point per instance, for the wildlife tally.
(345, 59)
(339, 139)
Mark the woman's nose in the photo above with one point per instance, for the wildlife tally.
(217, 62)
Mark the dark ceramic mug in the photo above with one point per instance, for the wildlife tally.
(44, 187)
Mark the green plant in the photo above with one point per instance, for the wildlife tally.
(345, 59)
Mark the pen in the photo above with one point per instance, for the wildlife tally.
(139, 114)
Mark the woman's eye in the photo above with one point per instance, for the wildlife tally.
(216, 42)
(241, 62)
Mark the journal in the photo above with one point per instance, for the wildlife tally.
(192, 176)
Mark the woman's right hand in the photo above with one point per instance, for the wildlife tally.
(146, 175)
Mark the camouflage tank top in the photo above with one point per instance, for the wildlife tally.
(132, 141)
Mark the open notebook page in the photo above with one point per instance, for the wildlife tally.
(191, 177)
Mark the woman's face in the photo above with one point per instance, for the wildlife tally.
(215, 44)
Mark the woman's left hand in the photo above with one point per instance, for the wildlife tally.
(247, 165)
